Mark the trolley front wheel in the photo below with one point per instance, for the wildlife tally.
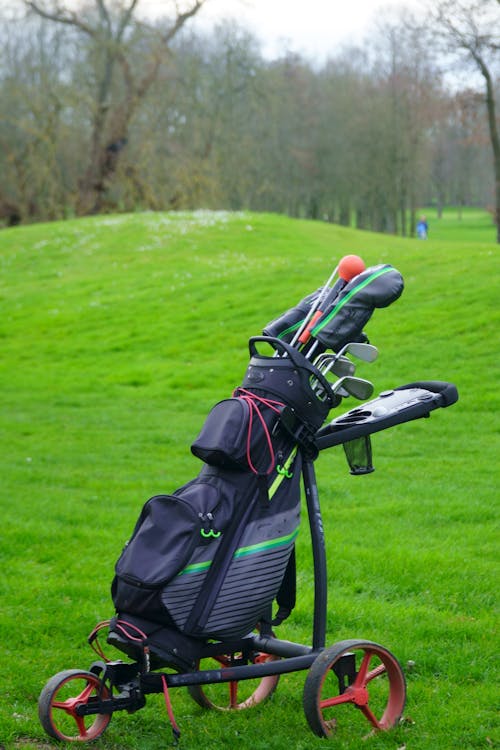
(62, 704)
(355, 673)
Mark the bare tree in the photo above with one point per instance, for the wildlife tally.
(33, 129)
(104, 111)
(470, 29)
(110, 27)
(409, 83)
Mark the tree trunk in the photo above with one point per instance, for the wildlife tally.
(494, 138)
(111, 122)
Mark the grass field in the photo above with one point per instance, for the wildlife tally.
(119, 333)
(463, 224)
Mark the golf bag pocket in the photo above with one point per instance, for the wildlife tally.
(169, 529)
(237, 435)
(230, 584)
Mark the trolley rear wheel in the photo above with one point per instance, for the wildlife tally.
(61, 701)
(354, 673)
(236, 695)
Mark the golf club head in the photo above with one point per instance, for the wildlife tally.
(337, 364)
(343, 366)
(366, 352)
(340, 367)
(357, 387)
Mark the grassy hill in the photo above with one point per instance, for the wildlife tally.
(118, 334)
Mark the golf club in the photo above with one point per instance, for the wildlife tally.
(357, 387)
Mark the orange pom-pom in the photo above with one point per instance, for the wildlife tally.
(350, 266)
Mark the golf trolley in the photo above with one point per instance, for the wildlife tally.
(194, 587)
(77, 705)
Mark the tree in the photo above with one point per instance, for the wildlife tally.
(342, 87)
(103, 112)
(411, 87)
(121, 82)
(470, 30)
(35, 125)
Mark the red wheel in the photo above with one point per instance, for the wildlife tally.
(234, 696)
(59, 703)
(354, 673)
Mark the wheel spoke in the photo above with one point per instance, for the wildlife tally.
(337, 700)
(82, 729)
(370, 716)
(233, 694)
(85, 694)
(380, 670)
(70, 704)
(361, 680)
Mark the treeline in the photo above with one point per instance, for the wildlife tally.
(93, 122)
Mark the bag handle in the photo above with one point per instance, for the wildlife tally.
(280, 347)
(297, 359)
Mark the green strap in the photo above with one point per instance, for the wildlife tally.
(283, 472)
(349, 296)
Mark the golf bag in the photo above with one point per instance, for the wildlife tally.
(210, 559)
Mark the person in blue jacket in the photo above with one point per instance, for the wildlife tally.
(422, 228)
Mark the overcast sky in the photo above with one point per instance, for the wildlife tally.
(313, 28)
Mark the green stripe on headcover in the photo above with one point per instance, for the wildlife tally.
(348, 297)
(291, 329)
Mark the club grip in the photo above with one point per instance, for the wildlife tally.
(306, 333)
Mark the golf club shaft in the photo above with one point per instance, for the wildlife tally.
(314, 307)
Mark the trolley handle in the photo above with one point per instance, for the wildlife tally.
(389, 409)
(447, 391)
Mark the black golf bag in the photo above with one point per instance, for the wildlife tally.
(210, 559)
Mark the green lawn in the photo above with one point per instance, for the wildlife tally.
(461, 224)
(119, 333)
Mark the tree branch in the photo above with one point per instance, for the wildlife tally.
(181, 20)
(61, 15)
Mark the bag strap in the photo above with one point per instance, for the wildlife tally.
(204, 602)
(258, 492)
(254, 403)
(287, 593)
